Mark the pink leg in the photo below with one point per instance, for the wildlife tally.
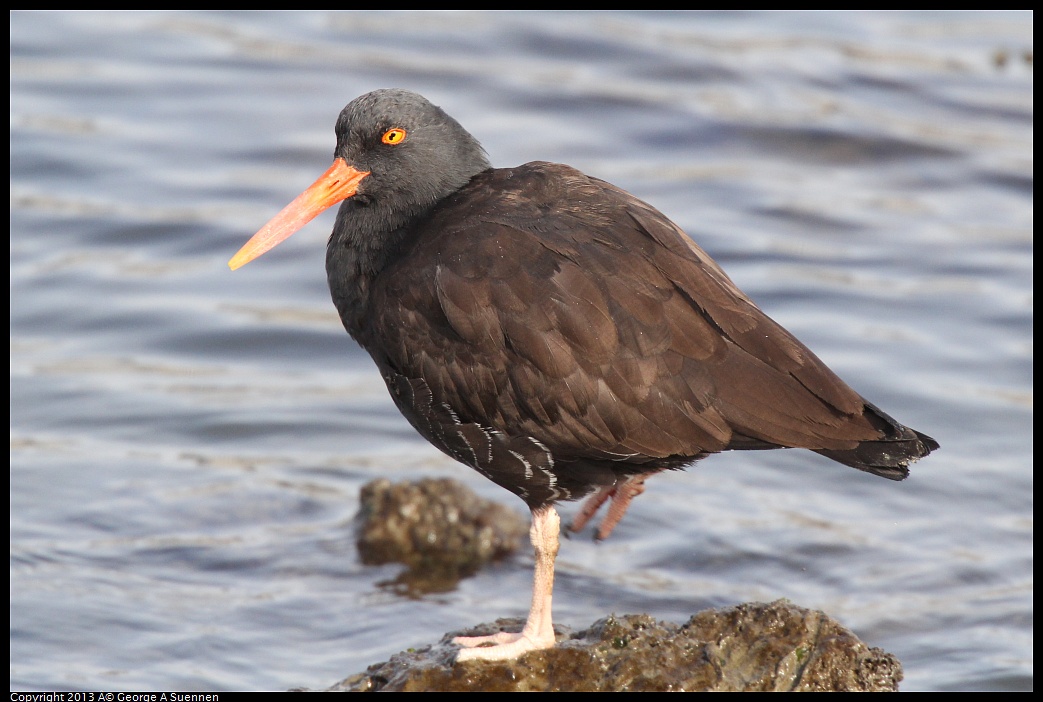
(590, 507)
(539, 631)
(621, 495)
(620, 502)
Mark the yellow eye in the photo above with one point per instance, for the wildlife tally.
(394, 136)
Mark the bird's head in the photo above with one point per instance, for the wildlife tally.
(397, 155)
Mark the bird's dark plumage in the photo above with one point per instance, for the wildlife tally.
(554, 332)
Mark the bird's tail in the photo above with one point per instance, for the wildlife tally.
(890, 455)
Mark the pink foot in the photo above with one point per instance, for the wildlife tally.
(506, 646)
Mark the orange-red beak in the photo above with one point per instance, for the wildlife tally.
(340, 182)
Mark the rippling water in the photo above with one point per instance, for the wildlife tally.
(187, 444)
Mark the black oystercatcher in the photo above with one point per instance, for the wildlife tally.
(555, 333)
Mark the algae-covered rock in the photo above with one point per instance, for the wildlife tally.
(751, 647)
(438, 528)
